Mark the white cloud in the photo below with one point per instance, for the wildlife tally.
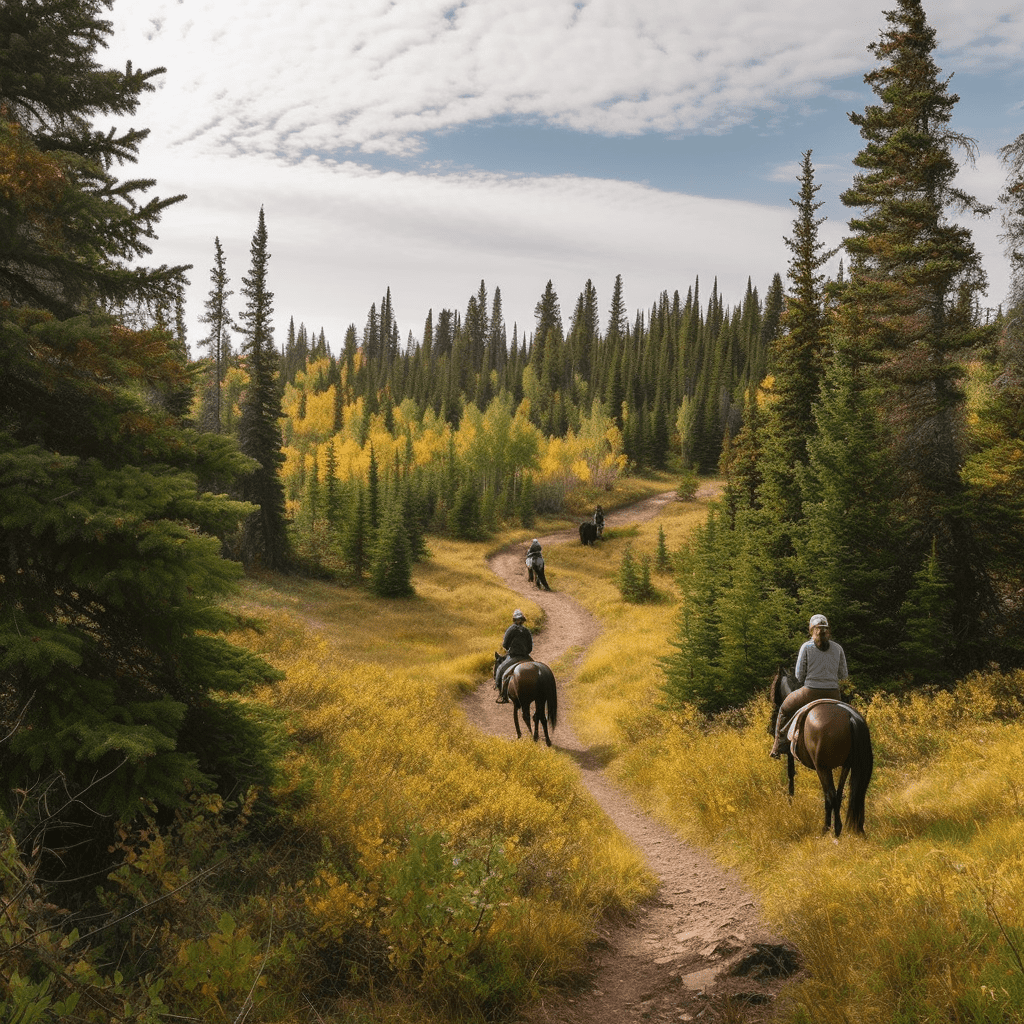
(311, 75)
(257, 99)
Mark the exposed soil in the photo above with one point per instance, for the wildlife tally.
(699, 950)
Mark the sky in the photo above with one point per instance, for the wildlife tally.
(424, 146)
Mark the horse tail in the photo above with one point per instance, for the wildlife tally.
(552, 697)
(860, 771)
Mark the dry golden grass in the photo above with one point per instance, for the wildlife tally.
(921, 920)
(382, 753)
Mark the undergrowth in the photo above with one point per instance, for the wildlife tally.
(405, 869)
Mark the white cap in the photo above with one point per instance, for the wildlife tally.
(818, 620)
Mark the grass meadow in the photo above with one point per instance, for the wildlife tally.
(921, 920)
(450, 875)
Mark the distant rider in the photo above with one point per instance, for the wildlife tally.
(599, 520)
(518, 643)
(535, 563)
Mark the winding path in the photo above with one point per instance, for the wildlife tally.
(699, 948)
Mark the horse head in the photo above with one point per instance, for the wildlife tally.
(782, 685)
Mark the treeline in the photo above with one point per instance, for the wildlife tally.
(877, 477)
(461, 429)
(672, 378)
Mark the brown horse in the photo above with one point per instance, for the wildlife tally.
(830, 735)
(532, 682)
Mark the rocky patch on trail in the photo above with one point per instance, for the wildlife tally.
(699, 950)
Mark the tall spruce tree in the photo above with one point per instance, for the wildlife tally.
(264, 539)
(910, 306)
(995, 468)
(218, 340)
(115, 685)
(796, 362)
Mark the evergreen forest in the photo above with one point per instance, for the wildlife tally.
(867, 427)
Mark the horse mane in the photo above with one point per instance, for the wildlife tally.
(773, 693)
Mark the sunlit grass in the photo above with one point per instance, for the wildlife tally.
(920, 920)
(382, 754)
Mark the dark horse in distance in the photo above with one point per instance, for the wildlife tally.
(588, 534)
(531, 682)
(829, 735)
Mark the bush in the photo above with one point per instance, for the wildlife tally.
(634, 578)
(688, 483)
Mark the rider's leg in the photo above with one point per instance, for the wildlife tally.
(504, 671)
(796, 700)
(790, 706)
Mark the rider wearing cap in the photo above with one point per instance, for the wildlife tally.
(518, 642)
(820, 668)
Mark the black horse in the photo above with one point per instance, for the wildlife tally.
(531, 682)
(828, 735)
(588, 534)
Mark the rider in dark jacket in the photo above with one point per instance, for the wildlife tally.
(535, 563)
(518, 643)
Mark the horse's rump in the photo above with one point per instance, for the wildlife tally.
(534, 682)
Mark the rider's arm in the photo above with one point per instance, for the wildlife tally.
(801, 665)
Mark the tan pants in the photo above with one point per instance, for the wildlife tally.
(795, 701)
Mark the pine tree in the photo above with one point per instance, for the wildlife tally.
(995, 467)
(218, 341)
(850, 557)
(797, 363)
(115, 679)
(355, 543)
(264, 539)
(76, 236)
(391, 567)
(909, 307)
(109, 631)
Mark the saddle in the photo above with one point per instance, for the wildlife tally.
(796, 726)
(508, 668)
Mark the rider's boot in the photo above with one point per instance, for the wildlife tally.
(502, 692)
(780, 746)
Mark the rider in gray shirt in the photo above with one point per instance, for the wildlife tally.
(820, 668)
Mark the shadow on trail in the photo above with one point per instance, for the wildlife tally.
(594, 759)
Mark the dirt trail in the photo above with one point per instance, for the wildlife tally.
(699, 950)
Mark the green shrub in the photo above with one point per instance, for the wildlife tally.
(634, 578)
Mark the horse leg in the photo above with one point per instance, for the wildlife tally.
(515, 718)
(839, 794)
(539, 716)
(526, 716)
(538, 721)
(828, 787)
(791, 770)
